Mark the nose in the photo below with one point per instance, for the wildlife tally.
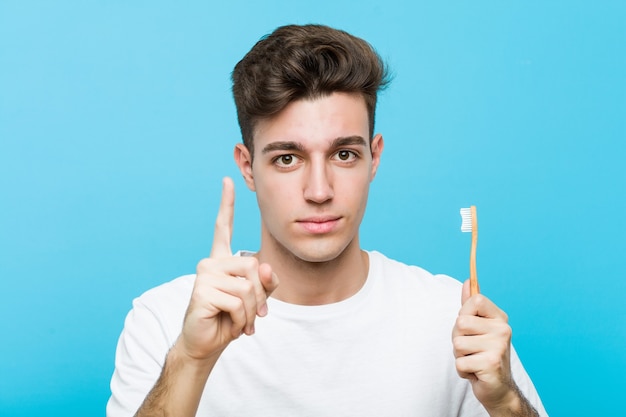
(318, 183)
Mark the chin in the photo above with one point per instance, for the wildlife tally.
(318, 253)
(310, 249)
(316, 258)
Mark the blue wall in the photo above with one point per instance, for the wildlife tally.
(116, 126)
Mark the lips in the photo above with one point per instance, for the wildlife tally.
(319, 225)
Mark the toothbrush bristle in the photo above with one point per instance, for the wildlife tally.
(466, 217)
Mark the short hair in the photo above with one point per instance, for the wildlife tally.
(304, 62)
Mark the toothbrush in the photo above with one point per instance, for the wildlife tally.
(470, 224)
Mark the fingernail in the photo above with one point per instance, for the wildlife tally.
(263, 310)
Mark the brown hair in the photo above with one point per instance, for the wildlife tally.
(304, 62)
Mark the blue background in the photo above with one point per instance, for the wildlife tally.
(117, 125)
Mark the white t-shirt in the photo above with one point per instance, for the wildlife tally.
(386, 351)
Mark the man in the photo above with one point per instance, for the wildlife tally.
(346, 332)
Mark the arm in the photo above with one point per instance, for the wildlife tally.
(482, 347)
(179, 387)
(229, 292)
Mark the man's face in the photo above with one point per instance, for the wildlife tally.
(313, 164)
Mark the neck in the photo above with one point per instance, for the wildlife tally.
(316, 283)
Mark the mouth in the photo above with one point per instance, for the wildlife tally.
(319, 225)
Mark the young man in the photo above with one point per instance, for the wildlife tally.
(346, 332)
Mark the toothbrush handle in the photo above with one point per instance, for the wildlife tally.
(473, 275)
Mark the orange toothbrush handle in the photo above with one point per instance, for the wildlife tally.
(473, 275)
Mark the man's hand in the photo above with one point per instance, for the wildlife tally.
(229, 291)
(228, 294)
(481, 339)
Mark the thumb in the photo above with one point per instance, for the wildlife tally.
(465, 292)
(268, 278)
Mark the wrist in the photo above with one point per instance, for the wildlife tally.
(179, 357)
(512, 403)
(179, 388)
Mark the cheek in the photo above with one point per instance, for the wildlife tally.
(355, 192)
(275, 196)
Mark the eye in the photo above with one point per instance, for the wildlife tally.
(346, 155)
(285, 161)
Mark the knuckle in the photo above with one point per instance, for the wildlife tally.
(480, 301)
(251, 264)
(220, 229)
(238, 307)
(246, 286)
(235, 321)
(461, 364)
(462, 323)
(204, 265)
(493, 361)
(503, 331)
(507, 332)
(457, 343)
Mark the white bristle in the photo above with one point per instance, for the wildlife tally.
(466, 216)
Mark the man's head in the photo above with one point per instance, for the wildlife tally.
(304, 62)
(306, 97)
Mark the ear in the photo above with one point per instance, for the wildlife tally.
(377, 150)
(243, 159)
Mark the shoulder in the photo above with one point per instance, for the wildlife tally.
(414, 280)
(170, 293)
(161, 310)
(150, 329)
(393, 269)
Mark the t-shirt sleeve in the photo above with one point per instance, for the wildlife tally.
(140, 356)
(525, 384)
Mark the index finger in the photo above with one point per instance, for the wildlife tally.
(223, 232)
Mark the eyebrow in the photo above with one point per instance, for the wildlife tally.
(295, 146)
(283, 146)
(349, 141)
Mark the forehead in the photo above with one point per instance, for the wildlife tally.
(314, 122)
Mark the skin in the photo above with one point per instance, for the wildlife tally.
(481, 340)
(311, 172)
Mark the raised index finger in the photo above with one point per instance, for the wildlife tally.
(224, 223)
